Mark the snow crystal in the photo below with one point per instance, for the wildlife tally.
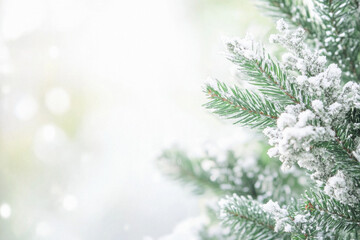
(308, 161)
(273, 208)
(293, 137)
(307, 61)
(321, 60)
(301, 65)
(342, 188)
(335, 108)
(297, 37)
(333, 73)
(301, 80)
(289, 61)
(245, 47)
(285, 120)
(324, 83)
(304, 118)
(318, 106)
(281, 25)
(273, 38)
(287, 228)
(300, 218)
(279, 214)
(273, 152)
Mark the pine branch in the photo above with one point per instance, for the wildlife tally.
(177, 165)
(246, 107)
(340, 145)
(339, 135)
(246, 217)
(341, 20)
(214, 230)
(263, 72)
(294, 12)
(330, 214)
(342, 158)
(346, 133)
(209, 173)
(312, 129)
(341, 34)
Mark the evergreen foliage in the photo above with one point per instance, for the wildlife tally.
(246, 217)
(242, 105)
(308, 105)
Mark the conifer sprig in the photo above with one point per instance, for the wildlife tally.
(209, 173)
(247, 108)
(246, 217)
(227, 173)
(178, 166)
(330, 214)
(335, 24)
(262, 71)
(341, 159)
(294, 12)
(340, 19)
(311, 120)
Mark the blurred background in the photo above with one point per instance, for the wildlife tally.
(91, 92)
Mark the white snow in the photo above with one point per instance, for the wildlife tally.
(279, 214)
(342, 188)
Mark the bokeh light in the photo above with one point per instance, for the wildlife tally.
(91, 92)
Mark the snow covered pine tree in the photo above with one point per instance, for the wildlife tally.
(308, 105)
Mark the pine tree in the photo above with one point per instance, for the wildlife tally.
(308, 106)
